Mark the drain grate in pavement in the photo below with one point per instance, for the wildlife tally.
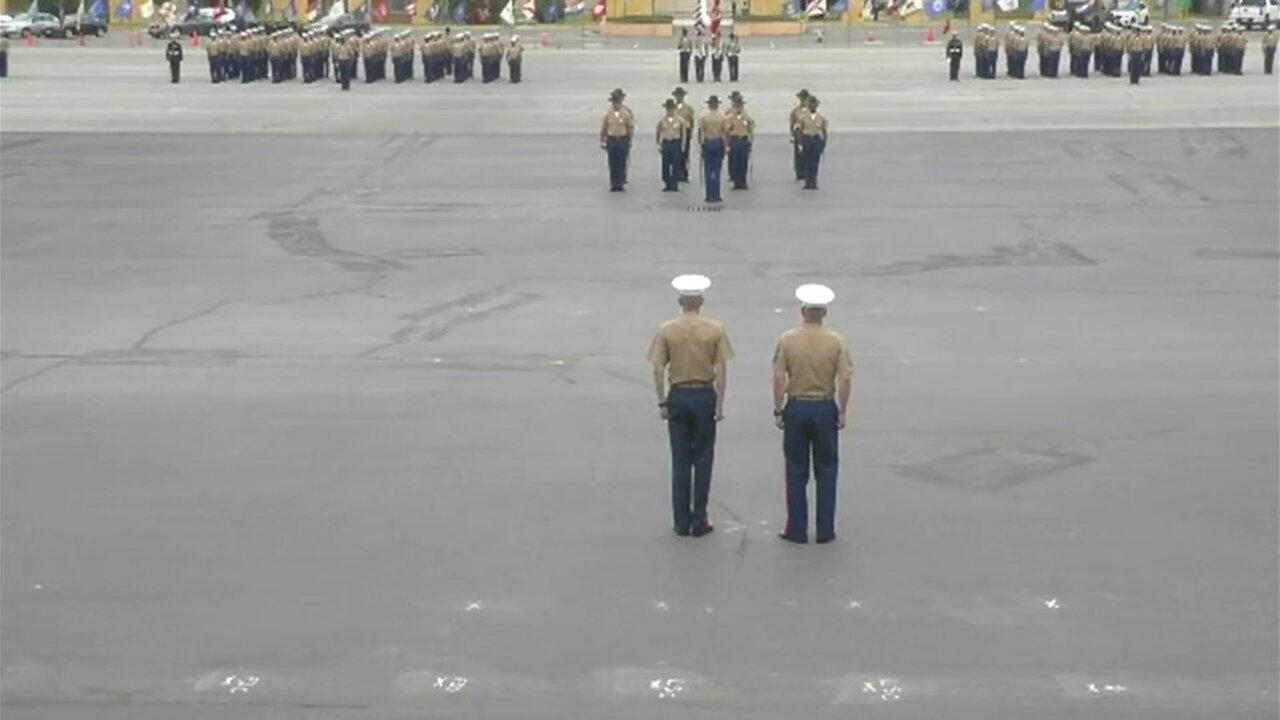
(993, 468)
(706, 208)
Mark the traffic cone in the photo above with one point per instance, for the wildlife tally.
(195, 39)
(543, 40)
(80, 39)
(929, 36)
(137, 39)
(871, 36)
(28, 38)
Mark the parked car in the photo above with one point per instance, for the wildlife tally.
(204, 20)
(1087, 13)
(39, 23)
(271, 25)
(341, 23)
(1254, 13)
(1130, 14)
(12, 26)
(88, 25)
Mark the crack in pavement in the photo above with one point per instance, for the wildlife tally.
(434, 322)
(33, 375)
(137, 353)
(1033, 252)
(149, 335)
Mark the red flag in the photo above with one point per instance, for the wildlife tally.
(313, 9)
(380, 10)
(715, 17)
(598, 12)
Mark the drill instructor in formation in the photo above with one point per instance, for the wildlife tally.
(616, 130)
(685, 111)
(690, 355)
(669, 135)
(812, 381)
(797, 146)
(741, 129)
(713, 131)
(811, 128)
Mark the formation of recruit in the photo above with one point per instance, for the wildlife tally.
(812, 382)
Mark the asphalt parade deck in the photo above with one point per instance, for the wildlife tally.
(324, 405)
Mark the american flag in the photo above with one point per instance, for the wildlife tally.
(817, 9)
(701, 17)
(411, 8)
(529, 8)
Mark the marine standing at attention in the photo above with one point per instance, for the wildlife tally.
(615, 138)
(690, 356)
(684, 48)
(173, 53)
(742, 130)
(685, 111)
(669, 136)
(955, 50)
(797, 147)
(812, 380)
(732, 50)
(712, 132)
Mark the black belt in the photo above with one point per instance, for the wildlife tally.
(691, 384)
(741, 137)
(810, 397)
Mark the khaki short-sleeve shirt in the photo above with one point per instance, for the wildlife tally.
(690, 346)
(812, 358)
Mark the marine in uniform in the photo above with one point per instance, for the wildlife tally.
(700, 56)
(742, 130)
(812, 379)
(4, 57)
(712, 131)
(732, 50)
(615, 138)
(1017, 52)
(812, 129)
(797, 145)
(1133, 46)
(173, 53)
(213, 49)
(955, 51)
(1049, 48)
(670, 135)
(344, 61)
(685, 111)
(717, 57)
(515, 58)
(684, 48)
(1268, 50)
(247, 69)
(1177, 49)
(690, 356)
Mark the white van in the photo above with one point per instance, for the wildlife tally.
(1254, 13)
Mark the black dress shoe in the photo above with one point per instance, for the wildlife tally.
(682, 532)
(825, 540)
(796, 540)
(703, 529)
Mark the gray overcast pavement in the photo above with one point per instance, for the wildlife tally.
(360, 427)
